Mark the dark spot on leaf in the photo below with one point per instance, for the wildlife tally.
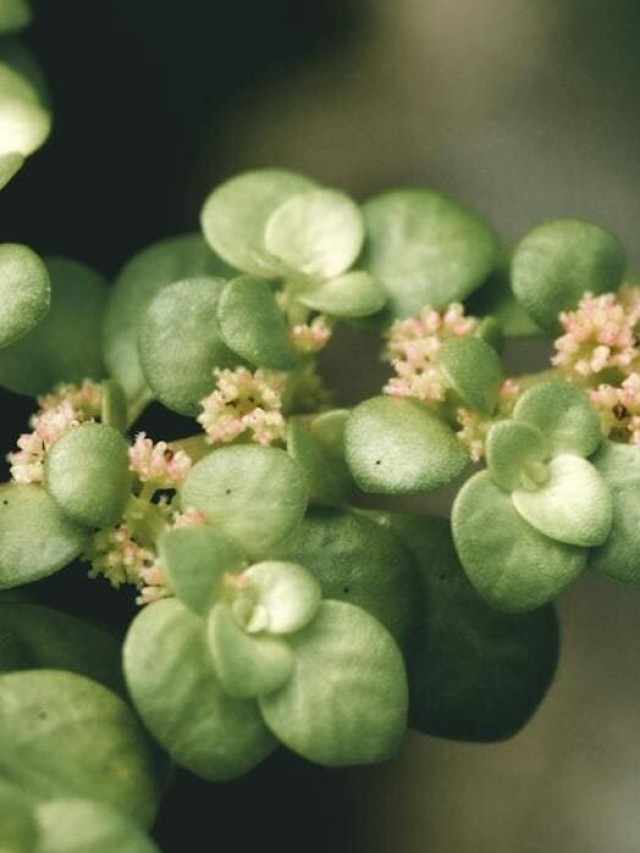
(227, 491)
(42, 715)
(346, 590)
(378, 461)
(5, 502)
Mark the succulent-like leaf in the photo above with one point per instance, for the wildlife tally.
(25, 291)
(287, 592)
(473, 370)
(353, 294)
(510, 564)
(512, 448)
(327, 477)
(177, 693)
(346, 700)
(79, 825)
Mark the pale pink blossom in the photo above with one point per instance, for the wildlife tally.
(157, 462)
(599, 335)
(412, 349)
(309, 338)
(619, 409)
(244, 402)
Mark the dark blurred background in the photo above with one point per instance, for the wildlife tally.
(525, 109)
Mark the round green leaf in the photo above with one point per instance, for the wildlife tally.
(25, 122)
(395, 446)
(62, 735)
(289, 594)
(179, 697)
(473, 370)
(195, 558)
(254, 494)
(24, 291)
(509, 563)
(572, 506)
(477, 674)
(18, 827)
(619, 556)
(557, 262)
(163, 263)
(327, 477)
(10, 165)
(66, 345)
(356, 561)
(252, 325)
(318, 233)
(248, 665)
(235, 215)
(346, 701)
(512, 448)
(354, 294)
(14, 15)
(36, 538)
(79, 826)
(87, 474)
(425, 249)
(35, 637)
(180, 343)
(563, 414)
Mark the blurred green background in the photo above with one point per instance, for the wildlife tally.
(526, 109)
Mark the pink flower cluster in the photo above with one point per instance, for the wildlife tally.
(310, 338)
(619, 409)
(66, 407)
(600, 335)
(244, 402)
(158, 463)
(412, 348)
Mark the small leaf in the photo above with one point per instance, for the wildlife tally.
(563, 414)
(162, 263)
(252, 325)
(512, 447)
(195, 558)
(235, 215)
(572, 506)
(556, 263)
(66, 345)
(509, 563)
(254, 494)
(178, 695)
(619, 555)
(10, 165)
(24, 291)
(477, 674)
(25, 122)
(356, 561)
(354, 294)
(473, 370)
(180, 343)
(14, 15)
(18, 828)
(248, 665)
(327, 477)
(79, 826)
(36, 538)
(395, 446)
(63, 735)
(346, 701)
(87, 474)
(426, 249)
(35, 637)
(289, 594)
(318, 233)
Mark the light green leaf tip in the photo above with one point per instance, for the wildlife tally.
(287, 593)
(473, 370)
(25, 291)
(513, 447)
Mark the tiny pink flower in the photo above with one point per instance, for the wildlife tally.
(310, 338)
(158, 463)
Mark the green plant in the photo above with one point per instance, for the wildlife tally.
(276, 607)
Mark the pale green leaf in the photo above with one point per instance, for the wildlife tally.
(354, 294)
(473, 370)
(63, 735)
(563, 414)
(396, 446)
(327, 476)
(346, 701)
(180, 343)
(18, 827)
(252, 324)
(514, 449)
(80, 826)
(318, 233)
(510, 564)
(254, 494)
(178, 695)
(557, 262)
(425, 248)
(10, 165)
(25, 121)
(25, 291)
(235, 215)
(36, 538)
(287, 592)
